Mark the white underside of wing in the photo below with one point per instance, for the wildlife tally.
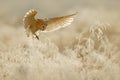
(29, 17)
(56, 24)
(60, 25)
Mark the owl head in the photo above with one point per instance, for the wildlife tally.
(41, 24)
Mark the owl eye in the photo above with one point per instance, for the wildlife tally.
(43, 27)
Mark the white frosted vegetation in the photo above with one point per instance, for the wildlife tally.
(94, 54)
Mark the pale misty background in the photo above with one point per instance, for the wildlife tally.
(88, 49)
(11, 11)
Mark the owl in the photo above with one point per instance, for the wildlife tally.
(32, 25)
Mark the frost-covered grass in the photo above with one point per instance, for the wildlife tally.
(82, 51)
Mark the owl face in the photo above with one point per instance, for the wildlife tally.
(41, 25)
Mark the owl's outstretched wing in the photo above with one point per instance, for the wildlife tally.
(59, 22)
(29, 18)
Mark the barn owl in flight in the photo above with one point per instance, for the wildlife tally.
(33, 25)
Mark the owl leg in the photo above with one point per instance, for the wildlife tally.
(36, 36)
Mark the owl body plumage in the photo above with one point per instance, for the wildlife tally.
(32, 25)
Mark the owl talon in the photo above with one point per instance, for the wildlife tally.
(37, 37)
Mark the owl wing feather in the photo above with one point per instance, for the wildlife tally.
(29, 18)
(59, 22)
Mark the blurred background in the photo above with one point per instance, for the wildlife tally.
(11, 12)
(89, 11)
(72, 53)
